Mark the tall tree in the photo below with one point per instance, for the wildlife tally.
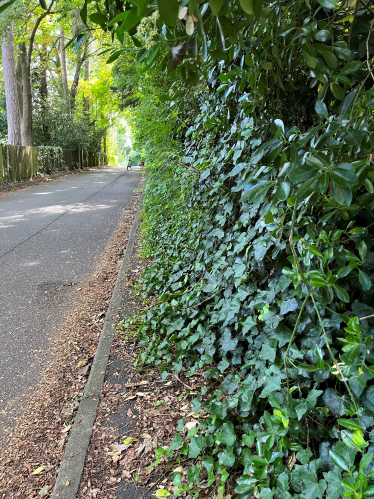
(25, 64)
(11, 93)
(64, 64)
(82, 56)
(87, 78)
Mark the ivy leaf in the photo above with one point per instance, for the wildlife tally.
(193, 474)
(266, 493)
(227, 436)
(289, 305)
(313, 487)
(334, 402)
(272, 384)
(177, 442)
(218, 409)
(335, 488)
(248, 324)
(301, 409)
(304, 455)
(226, 458)
(268, 353)
(196, 446)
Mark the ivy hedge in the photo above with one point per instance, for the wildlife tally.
(260, 227)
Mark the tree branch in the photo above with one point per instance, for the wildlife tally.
(33, 33)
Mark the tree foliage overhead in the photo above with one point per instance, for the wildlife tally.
(259, 220)
(71, 98)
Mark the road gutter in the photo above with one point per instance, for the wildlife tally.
(72, 464)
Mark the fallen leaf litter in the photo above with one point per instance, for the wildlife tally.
(136, 416)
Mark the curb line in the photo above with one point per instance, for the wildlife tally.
(72, 464)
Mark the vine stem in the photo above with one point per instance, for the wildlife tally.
(368, 51)
(316, 308)
(290, 343)
(335, 360)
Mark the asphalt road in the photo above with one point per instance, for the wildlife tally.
(51, 237)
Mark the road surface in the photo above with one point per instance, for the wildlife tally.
(51, 237)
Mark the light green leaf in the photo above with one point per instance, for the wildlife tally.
(247, 6)
(162, 493)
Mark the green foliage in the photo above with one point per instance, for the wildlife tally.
(260, 226)
(55, 126)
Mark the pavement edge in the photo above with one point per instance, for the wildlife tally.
(72, 464)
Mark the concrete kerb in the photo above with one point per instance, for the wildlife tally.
(72, 464)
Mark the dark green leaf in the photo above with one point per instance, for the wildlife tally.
(283, 191)
(364, 279)
(307, 188)
(323, 35)
(334, 402)
(216, 6)
(343, 195)
(168, 11)
(341, 293)
(339, 460)
(321, 109)
(255, 192)
(227, 436)
(98, 18)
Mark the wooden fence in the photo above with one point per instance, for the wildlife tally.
(23, 162)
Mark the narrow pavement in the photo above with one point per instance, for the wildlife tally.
(51, 237)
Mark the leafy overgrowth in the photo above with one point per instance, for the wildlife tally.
(261, 234)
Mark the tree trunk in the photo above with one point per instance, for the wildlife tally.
(11, 92)
(74, 85)
(19, 86)
(87, 78)
(43, 89)
(64, 65)
(80, 61)
(26, 125)
(104, 142)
